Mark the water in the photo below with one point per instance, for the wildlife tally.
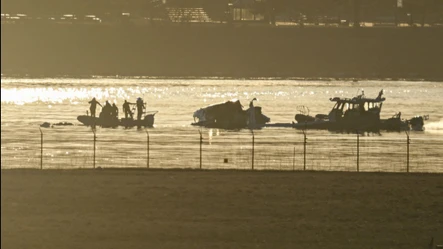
(27, 103)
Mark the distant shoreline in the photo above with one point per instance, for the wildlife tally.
(215, 78)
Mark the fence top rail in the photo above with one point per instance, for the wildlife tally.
(191, 137)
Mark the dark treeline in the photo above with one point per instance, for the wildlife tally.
(261, 51)
(350, 9)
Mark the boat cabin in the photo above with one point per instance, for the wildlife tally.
(357, 107)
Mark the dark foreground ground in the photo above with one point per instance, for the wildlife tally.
(221, 51)
(219, 209)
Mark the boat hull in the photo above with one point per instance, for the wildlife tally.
(391, 124)
(148, 121)
(230, 115)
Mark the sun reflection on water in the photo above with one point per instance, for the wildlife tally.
(20, 96)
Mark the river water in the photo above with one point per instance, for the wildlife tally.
(173, 142)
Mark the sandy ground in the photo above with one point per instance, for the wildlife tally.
(219, 209)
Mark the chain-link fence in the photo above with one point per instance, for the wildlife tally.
(189, 148)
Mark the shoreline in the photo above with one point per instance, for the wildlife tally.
(217, 170)
(162, 77)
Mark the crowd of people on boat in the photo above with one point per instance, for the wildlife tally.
(111, 111)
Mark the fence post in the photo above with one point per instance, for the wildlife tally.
(147, 148)
(201, 143)
(293, 160)
(41, 148)
(358, 152)
(304, 149)
(95, 138)
(408, 141)
(253, 145)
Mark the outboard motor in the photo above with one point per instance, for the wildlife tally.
(417, 123)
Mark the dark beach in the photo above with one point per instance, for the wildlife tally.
(219, 209)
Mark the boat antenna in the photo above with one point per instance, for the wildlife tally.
(144, 106)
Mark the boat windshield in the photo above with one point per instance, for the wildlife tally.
(364, 106)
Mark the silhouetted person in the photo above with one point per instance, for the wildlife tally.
(106, 110)
(114, 111)
(140, 107)
(380, 94)
(93, 106)
(251, 113)
(127, 109)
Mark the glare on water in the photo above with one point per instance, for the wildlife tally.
(26, 103)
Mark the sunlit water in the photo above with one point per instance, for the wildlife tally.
(27, 103)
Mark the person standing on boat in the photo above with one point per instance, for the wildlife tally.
(127, 109)
(251, 113)
(114, 112)
(140, 107)
(380, 94)
(106, 110)
(93, 106)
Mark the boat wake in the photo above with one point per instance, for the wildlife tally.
(435, 126)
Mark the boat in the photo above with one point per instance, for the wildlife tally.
(357, 114)
(396, 123)
(49, 125)
(230, 115)
(112, 122)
